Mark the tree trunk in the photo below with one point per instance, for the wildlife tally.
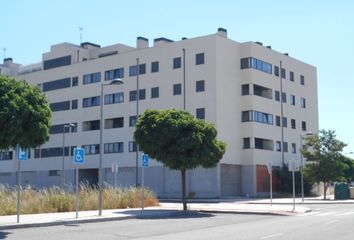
(184, 199)
(324, 190)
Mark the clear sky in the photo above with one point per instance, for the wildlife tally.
(318, 32)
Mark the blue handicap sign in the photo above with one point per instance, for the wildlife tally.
(145, 160)
(79, 156)
(22, 153)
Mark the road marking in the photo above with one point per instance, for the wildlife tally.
(326, 214)
(271, 236)
(331, 222)
(346, 214)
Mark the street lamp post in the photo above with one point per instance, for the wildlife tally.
(69, 125)
(302, 172)
(100, 174)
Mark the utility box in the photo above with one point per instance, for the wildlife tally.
(341, 191)
(351, 190)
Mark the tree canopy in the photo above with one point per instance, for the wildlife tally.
(25, 115)
(325, 161)
(179, 141)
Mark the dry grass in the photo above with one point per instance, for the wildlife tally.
(57, 200)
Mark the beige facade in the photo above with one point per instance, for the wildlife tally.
(235, 83)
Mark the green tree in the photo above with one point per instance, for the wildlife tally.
(179, 141)
(348, 171)
(325, 161)
(24, 114)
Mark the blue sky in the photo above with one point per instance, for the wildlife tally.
(320, 33)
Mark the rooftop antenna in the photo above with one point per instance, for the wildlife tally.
(81, 29)
(4, 51)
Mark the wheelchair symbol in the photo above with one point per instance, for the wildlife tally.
(79, 156)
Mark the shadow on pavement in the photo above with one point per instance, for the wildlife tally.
(3, 235)
(165, 214)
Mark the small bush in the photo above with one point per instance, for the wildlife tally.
(55, 199)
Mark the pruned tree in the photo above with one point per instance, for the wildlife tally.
(25, 115)
(179, 141)
(325, 161)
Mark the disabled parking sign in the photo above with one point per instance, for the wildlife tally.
(79, 156)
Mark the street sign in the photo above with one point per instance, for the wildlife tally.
(145, 160)
(293, 166)
(114, 167)
(22, 153)
(79, 156)
(269, 167)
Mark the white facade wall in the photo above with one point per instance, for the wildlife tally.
(237, 172)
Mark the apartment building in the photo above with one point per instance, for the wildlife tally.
(261, 101)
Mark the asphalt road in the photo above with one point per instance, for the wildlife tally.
(326, 221)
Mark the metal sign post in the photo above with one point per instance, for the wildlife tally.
(145, 163)
(269, 167)
(22, 155)
(293, 172)
(79, 159)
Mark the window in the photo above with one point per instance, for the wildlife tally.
(58, 128)
(277, 120)
(6, 155)
(56, 84)
(293, 123)
(53, 173)
(245, 90)
(51, 152)
(114, 122)
(199, 59)
(60, 106)
(291, 76)
(278, 146)
(283, 73)
(57, 62)
(262, 91)
(258, 143)
(246, 143)
(200, 113)
(293, 147)
(256, 64)
(277, 96)
(91, 101)
(285, 122)
(303, 102)
(276, 71)
(114, 74)
(154, 67)
(91, 149)
(74, 104)
(200, 86)
(114, 98)
(133, 70)
(92, 78)
(177, 62)
(132, 95)
(75, 81)
(292, 100)
(177, 89)
(132, 121)
(285, 146)
(116, 147)
(283, 97)
(255, 116)
(132, 146)
(91, 125)
(155, 92)
(303, 126)
(302, 80)
(142, 68)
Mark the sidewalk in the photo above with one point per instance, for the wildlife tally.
(166, 209)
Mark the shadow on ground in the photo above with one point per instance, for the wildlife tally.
(165, 214)
(3, 235)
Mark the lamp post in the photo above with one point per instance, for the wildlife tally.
(100, 174)
(69, 125)
(302, 172)
(136, 121)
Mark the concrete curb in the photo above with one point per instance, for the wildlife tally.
(85, 220)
